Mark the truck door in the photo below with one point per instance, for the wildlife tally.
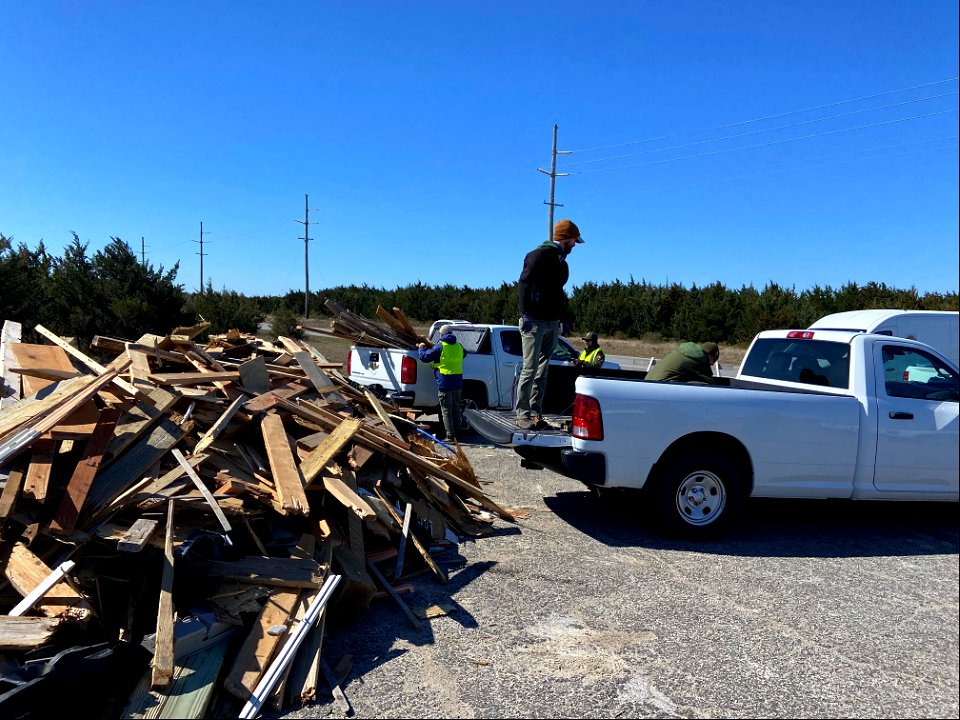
(509, 356)
(917, 442)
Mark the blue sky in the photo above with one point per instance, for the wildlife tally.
(802, 142)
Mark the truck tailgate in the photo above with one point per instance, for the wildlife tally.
(541, 448)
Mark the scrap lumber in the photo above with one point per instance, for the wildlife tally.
(86, 360)
(81, 480)
(321, 456)
(51, 358)
(41, 464)
(284, 469)
(250, 455)
(10, 384)
(27, 572)
(163, 659)
(26, 633)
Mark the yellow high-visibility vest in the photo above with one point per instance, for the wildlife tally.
(587, 358)
(451, 359)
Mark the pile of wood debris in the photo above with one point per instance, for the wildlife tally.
(178, 524)
(394, 332)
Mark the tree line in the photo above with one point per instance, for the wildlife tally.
(111, 292)
(642, 310)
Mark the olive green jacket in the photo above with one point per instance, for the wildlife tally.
(688, 363)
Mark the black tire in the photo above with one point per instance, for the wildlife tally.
(698, 495)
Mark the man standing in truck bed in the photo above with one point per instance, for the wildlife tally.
(544, 316)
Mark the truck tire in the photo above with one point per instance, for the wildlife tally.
(698, 495)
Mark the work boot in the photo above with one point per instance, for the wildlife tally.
(526, 423)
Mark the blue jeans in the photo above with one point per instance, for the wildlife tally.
(538, 347)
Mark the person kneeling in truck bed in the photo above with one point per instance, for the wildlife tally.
(446, 359)
(688, 363)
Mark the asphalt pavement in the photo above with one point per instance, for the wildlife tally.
(805, 609)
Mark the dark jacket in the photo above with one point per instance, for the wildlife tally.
(432, 355)
(688, 363)
(544, 274)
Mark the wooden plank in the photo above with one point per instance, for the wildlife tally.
(381, 413)
(139, 366)
(15, 444)
(163, 658)
(137, 537)
(271, 571)
(411, 616)
(207, 495)
(214, 432)
(283, 466)
(424, 553)
(302, 681)
(26, 572)
(190, 691)
(33, 406)
(26, 633)
(78, 425)
(8, 499)
(254, 375)
(138, 419)
(348, 498)
(10, 385)
(316, 376)
(86, 360)
(41, 464)
(66, 516)
(195, 378)
(318, 459)
(51, 357)
(127, 470)
(267, 400)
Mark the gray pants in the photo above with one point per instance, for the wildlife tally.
(451, 411)
(538, 347)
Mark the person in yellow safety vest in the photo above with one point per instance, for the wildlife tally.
(446, 359)
(592, 355)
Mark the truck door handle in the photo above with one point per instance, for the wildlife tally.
(895, 415)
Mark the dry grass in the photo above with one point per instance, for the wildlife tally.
(336, 350)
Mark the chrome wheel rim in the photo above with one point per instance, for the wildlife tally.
(701, 498)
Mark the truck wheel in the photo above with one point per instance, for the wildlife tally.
(698, 495)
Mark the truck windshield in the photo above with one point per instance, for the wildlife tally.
(811, 362)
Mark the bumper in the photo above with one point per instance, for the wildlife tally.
(590, 468)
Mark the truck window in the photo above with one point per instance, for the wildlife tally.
(811, 362)
(510, 342)
(911, 373)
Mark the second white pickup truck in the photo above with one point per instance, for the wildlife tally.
(493, 353)
(811, 414)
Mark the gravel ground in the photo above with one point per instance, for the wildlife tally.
(806, 609)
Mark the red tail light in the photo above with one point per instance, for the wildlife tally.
(587, 420)
(349, 360)
(408, 370)
(800, 335)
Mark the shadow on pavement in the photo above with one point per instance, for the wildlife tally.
(777, 528)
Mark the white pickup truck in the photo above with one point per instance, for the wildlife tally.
(810, 414)
(493, 354)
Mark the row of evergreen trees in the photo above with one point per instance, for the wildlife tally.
(112, 293)
(641, 310)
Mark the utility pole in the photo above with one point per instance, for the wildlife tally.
(306, 254)
(143, 252)
(553, 180)
(201, 254)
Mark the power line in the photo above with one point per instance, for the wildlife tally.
(768, 117)
(774, 168)
(761, 145)
(773, 129)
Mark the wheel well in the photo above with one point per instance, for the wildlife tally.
(722, 444)
(475, 392)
